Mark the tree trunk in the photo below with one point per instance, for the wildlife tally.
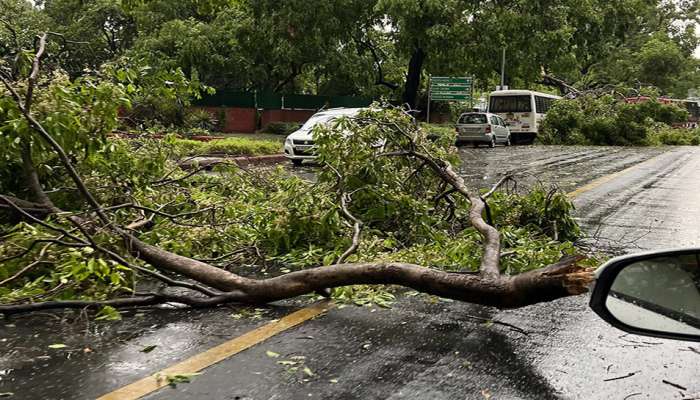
(415, 67)
(31, 177)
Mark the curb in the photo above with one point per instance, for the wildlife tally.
(242, 161)
(126, 135)
(260, 160)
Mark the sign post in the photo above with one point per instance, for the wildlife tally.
(430, 92)
(449, 88)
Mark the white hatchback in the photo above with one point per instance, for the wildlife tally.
(477, 128)
(300, 146)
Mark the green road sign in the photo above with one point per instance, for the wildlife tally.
(448, 88)
(454, 97)
(450, 80)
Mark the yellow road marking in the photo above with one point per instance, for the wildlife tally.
(607, 178)
(216, 354)
(212, 356)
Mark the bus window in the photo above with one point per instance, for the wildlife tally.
(510, 104)
(540, 107)
(543, 104)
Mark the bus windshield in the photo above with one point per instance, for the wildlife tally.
(510, 104)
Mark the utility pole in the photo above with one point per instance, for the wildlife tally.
(503, 68)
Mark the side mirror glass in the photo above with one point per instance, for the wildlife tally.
(653, 294)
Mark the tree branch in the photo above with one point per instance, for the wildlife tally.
(27, 267)
(356, 227)
(35, 73)
(562, 279)
(28, 250)
(490, 261)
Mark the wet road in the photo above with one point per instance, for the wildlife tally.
(422, 348)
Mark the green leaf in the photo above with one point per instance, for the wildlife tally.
(57, 346)
(174, 379)
(148, 349)
(272, 354)
(108, 313)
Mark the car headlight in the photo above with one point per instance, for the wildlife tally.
(288, 142)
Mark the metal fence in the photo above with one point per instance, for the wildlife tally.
(274, 101)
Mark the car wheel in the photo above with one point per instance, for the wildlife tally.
(492, 144)
(296, 162)
(508, 141)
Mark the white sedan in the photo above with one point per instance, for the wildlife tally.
(299, 146)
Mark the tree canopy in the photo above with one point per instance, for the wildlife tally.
(375, 47)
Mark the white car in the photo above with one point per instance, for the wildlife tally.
(300, 146)
(479, 127)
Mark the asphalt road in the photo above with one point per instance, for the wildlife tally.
(422, 348)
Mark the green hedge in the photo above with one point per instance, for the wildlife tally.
(229, 146)
(605, 120)
(281, 128)
(675, 137)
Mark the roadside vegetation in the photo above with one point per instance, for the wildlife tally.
(228, 146)
(95, 221)
(282, 128)
(606, 120)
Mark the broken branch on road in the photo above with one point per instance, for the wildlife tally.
(100, 225)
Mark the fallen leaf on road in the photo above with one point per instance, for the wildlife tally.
(174, 379)
(272, 354)
(148, 349)
(57, 346)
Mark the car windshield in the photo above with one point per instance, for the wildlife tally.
(500, 104)
(473, 119)
(317, 119)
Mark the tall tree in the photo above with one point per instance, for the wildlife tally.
(97, 30)
(425, 31)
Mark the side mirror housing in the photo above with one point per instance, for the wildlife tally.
(652, 294)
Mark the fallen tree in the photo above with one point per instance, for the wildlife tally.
(401, 186)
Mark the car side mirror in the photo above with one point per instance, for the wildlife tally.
(652, 294)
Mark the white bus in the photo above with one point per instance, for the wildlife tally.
(522, 110)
